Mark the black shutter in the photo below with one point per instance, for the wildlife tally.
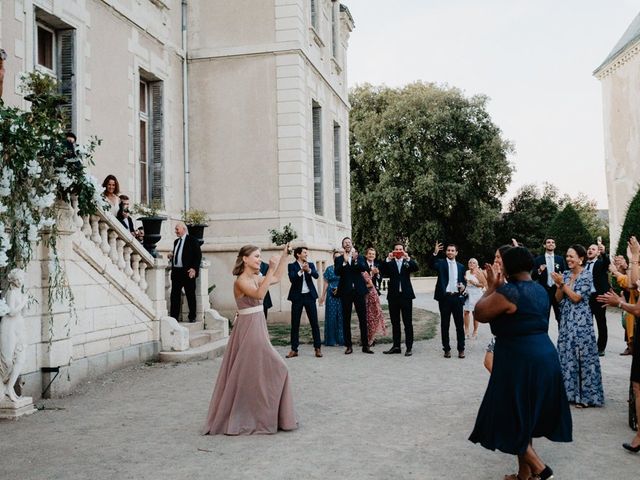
(317, 159)
(157, 142)
(66, 75)
(337, 179)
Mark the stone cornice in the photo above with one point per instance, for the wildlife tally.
(621, 59)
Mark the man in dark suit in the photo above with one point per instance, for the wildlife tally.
(398, 269)
(598, 264)
(374, 268)
(542, 265)
(185, 266)
(303, 294)
(449, 287)
(123, 214)
(266, 301)
(352, 291)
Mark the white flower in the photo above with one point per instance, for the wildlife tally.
(13, 128)
(34, 169)
(5, 182)
(44, 201)
(3, 208)
(65, 180)
(32, 236)
(4, 260)
(46, 223)
(4, 308)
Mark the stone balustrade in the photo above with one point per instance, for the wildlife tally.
(117, 243)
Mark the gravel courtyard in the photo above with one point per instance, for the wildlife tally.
(361, 417)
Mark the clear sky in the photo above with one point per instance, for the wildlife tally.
(534, 59)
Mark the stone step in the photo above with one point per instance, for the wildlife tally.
(203, 352)
(198, 338)
(192, 326)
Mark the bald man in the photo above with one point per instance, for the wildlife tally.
(185, 266)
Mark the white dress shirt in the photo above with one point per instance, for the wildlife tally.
(452, 286)
(549, 259)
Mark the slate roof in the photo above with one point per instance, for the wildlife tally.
(631, 36)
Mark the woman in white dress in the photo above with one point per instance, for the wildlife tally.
(476, 283)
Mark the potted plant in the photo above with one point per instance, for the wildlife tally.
(151, 220)
(196, 222)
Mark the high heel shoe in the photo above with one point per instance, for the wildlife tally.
(545, 474)
(627, 446)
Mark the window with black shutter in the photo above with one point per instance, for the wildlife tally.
(314, 13)
(156, 144)
(66, 75)
(337, 176)
(317, 158)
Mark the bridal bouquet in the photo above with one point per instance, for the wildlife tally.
(282, 237)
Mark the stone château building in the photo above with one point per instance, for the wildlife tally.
(238, 108)
(619, 75)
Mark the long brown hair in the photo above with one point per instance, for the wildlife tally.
(106, 182)
(245, 251)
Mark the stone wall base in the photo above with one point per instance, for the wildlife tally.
(87, 368)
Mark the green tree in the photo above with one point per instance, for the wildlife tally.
(631, 225)
(588, 212)
(427, 164)
(567, 228)
(528, 216)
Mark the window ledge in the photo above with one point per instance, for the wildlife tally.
(336, 66)
(316, 37)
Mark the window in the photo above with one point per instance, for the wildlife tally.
(314, 13)
(143, 159)
(46, 48)
(55, 55)
(151, 151)
(335, 28)
(317, 158)
(337, 176)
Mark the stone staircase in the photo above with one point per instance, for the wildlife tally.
(203, 344)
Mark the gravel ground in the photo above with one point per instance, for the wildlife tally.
(361, 417)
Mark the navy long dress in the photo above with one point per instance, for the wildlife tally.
(525, 397)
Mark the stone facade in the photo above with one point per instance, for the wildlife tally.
(236, 108)
(266, 81)
(619, 76)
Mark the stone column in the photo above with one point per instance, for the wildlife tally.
(56, 347)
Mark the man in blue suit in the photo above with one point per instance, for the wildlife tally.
(449, 287)
(303, 294)
(398, 269)
(542, 266)
(352, 290)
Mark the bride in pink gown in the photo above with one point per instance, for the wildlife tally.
(253, 392)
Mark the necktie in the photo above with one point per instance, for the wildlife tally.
(550, 268)
(177, 256)
(589, 265)
(453, 277)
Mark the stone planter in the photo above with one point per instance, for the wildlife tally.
(152, 227)
(197, 231)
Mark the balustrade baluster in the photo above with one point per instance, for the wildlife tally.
(120, 245)
(104, 236)
(135, 265)
(95, 229)
(127, 261)
(143, 276)
(86, 226)
(113, 246)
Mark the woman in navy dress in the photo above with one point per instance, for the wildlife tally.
(333, 311)
(577, 344)
(525, 398)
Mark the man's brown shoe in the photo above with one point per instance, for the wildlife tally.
(627, 351)
(447, 354)
(318, 353)
(348, 351)
(292, 354)
(461, 354)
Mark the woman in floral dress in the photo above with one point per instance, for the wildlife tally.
(375, 318)
(333, 334)
(577, 346)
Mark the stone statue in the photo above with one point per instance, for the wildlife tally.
(12, 347)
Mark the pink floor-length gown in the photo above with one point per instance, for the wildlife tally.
(253, 392)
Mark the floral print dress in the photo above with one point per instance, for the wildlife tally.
(577, 345)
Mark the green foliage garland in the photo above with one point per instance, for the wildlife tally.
(37, 167)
